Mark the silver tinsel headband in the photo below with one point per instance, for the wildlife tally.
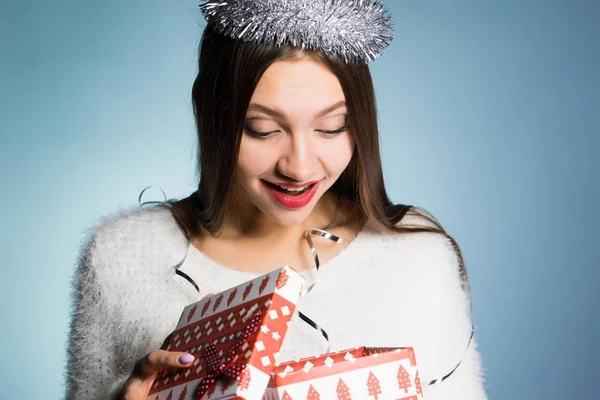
(356, 30)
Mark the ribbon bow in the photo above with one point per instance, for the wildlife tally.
(228, 368)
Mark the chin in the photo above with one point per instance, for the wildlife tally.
(283, 216)
(289, 218)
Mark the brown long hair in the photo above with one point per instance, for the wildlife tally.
(229, 71)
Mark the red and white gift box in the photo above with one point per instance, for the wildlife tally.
(362, 373)
(235, 336)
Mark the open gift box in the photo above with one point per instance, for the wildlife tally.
(235, 336)
(361, 373)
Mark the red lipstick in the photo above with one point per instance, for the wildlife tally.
(293, 201)
(293, 185)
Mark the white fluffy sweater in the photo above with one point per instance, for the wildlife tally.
(382, 290)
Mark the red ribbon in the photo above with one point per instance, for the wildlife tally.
(228, 368)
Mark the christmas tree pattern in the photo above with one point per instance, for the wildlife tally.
(192, 312)
(205, 308)
(373, 385)
(313, 394)
(343, 392)
(231, 297)
(403, 379)
(247, 290)
(183, 394)
(418, 384)
(286, 396)
(282, 280)
(218, 302)
(263, 284)
(244, 379)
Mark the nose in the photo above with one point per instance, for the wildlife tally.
(297, 160)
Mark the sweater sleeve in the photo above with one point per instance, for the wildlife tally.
(126, 298)
(92, 366)
(454, 324)
(466, 383)
(449, 310)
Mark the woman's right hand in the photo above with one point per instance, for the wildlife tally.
(147, 368)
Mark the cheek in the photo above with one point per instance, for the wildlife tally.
(337, 154)
(253, 160)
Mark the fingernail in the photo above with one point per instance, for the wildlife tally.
(185, 358)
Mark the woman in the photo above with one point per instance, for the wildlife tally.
(288, 141)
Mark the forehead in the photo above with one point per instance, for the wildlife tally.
(303, 85)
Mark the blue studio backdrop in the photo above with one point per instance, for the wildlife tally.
(489, 116)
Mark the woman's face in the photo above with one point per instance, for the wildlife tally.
(295, 142)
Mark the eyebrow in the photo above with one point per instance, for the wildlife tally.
(275, 113)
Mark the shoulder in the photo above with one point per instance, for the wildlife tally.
(420, 247)
(429, 263)
(418, 231)
(136, 224)
(425, 253)
(132, 237)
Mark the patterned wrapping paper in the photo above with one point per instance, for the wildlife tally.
(241, 329)
(362, 373)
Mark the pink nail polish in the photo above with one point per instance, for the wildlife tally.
(185, 358)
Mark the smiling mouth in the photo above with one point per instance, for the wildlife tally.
(290, 191)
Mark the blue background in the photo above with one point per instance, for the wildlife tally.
(489, 118)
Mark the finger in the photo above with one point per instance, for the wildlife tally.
(159, 360)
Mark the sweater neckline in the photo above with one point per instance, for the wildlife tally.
(344, 262)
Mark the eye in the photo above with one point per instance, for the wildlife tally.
(336, 131)
(341, 129)
(259, 131)
(254, 133)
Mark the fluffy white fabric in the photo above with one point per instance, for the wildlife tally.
(382, 290)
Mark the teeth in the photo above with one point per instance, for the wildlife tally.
(293, 189)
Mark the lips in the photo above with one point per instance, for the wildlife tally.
(292, 190)
(292, 199)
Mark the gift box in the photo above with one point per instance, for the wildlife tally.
(235, 336)
(362, 373)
